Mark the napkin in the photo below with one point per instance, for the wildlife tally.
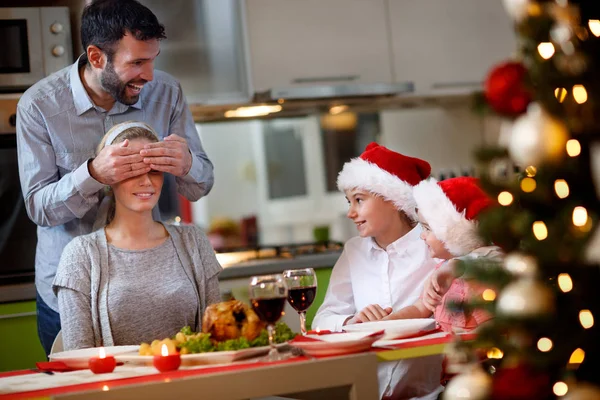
(58, 366)
(53, 366)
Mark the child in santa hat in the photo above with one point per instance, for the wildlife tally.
(448, 212)
(385, 268)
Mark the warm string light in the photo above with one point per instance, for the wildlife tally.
(546, 50)
(586, 319)
(495, 353)
(560, 94)
(560, 388)
(577, 356)
(489, 295)
(580, 216)
(565, 283)
(105, 388)
(580, 94)
(561, 188)
(505, 198)
(573, 148)
(531, 171)
(544, 344)
(528, 185)
(539, 230)
(594, 25)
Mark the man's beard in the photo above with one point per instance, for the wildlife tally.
(112, 84)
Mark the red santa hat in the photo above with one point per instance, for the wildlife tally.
(385, 173)
(451, 208)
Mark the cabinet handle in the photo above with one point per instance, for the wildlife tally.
(456, 85)
(19, 315)
(320, 79)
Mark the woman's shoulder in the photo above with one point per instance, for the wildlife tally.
(84, 242)
(187, 234)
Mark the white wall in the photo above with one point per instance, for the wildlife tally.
(445, 137)
(229, 147)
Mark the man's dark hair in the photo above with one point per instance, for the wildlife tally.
(105, 22)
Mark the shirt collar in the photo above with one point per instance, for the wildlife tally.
(82, 99)
(400, 245)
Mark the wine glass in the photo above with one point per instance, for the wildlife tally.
(302, 289)
(268, 294)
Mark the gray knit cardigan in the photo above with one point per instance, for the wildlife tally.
(91, 276)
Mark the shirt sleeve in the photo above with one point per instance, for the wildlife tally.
(49, 199)
(200, 179)
(72, 284)
(339, 299)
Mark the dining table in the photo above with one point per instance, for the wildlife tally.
(343, 376)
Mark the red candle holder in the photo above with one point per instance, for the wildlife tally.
(103, 363)
(167, 362)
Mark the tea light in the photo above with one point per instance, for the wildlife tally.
(167, 362)
(103, 363)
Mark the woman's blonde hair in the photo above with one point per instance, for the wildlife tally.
(140, 131)
(134, 132)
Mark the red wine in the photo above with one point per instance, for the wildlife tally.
(301, 298)
(269, 310)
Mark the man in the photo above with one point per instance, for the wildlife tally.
(61, 119)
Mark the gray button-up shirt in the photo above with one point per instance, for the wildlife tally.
(58, 129)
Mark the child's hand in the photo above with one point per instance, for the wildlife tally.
(372, 312)
(436, 287)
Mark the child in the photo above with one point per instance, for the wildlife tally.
(386, 267)
(448, 212)
(135, 279)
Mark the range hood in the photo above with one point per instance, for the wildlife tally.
(336, 91)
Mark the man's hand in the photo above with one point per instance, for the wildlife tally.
(117, 162)
(372, 312)
(172, 155)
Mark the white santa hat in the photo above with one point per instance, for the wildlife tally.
(385, 173)
(451, 208)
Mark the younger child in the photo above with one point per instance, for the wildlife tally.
(448, 212)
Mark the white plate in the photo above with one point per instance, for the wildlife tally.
(78, 359)
(395, 329)
(214, 357)
(336, 343)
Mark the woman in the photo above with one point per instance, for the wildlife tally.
(135, 279)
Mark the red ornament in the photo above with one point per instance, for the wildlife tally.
(103, 363)
(505, 89)
(520, 382)
(167, 362)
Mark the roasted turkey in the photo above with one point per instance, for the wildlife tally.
(230, 320)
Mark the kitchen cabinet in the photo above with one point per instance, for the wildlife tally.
(448, 46)
(317, 42)
(204, 48)
(19, 344)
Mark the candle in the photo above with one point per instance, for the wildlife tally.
(167, 362)
(103, 363)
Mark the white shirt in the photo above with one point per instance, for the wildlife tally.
(367, 274)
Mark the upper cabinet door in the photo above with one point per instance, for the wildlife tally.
(317, 42)
(448, 46)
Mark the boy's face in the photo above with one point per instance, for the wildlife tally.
(373, 216)
(436, 246)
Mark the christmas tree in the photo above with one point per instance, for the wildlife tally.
(543, 342)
